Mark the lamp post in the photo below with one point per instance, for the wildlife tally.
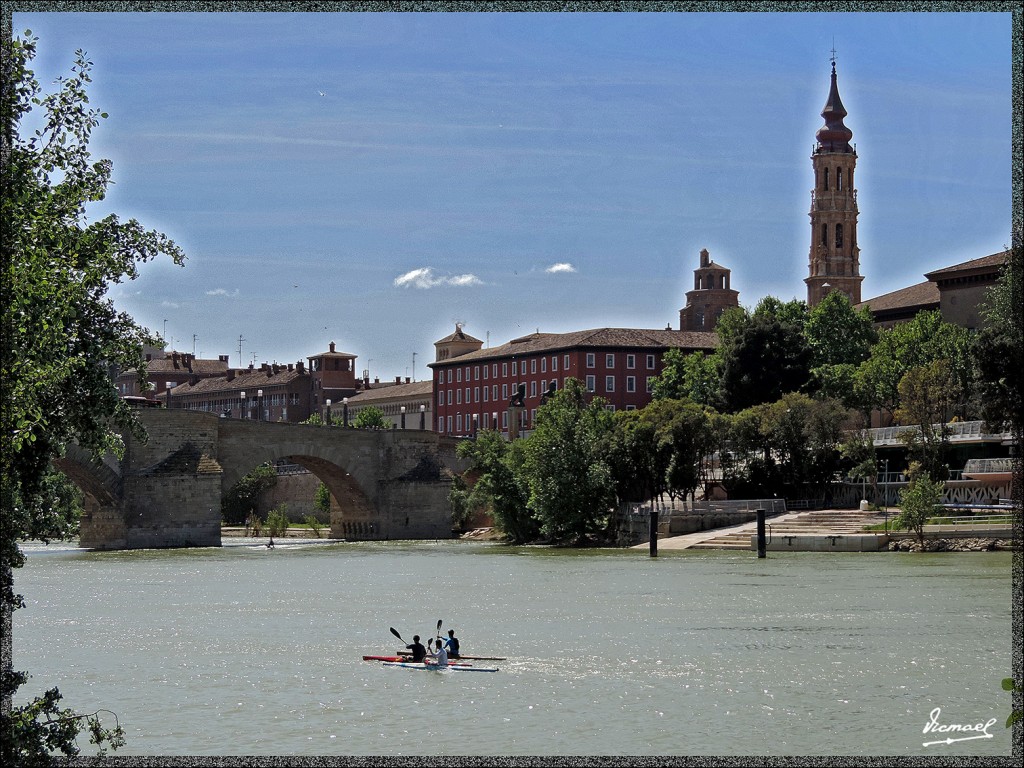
(476, 424)
(344, 410)
(402, 409)
(243, 408)
(259, 404)
(327, 421)
(423, 417)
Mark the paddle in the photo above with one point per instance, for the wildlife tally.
(395, 633)
(439, 632)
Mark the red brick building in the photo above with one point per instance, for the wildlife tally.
(166, 370)
(271, 392)
(472, 390)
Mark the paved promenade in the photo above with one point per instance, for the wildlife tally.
(833, 522)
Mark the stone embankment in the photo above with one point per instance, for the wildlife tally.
(951, 545)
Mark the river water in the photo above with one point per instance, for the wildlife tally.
(241, 650)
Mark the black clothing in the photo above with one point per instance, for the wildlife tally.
(419, 651)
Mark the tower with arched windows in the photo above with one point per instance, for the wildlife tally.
(834, 256)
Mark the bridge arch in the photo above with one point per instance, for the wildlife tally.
(94, 477)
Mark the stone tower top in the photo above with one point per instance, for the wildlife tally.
(834, 136)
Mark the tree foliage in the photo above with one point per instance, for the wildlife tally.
(62, 334)
(998, 348)
(371, 417)
(570, 482)
(768, 358)
(497, 486)
(242, 499)
(916, 343)
(919, 501)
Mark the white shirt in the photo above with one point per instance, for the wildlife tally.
(441, 657)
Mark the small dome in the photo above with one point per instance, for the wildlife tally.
(834, 133)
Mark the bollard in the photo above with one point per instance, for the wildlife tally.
(760, 533)
(654, 532)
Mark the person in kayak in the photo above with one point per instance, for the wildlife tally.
(440, 656)
(451, 645)
(419, 652)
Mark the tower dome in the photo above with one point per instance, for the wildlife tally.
(834, 135)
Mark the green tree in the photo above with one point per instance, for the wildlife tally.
(908, 345)
(322, 499)
(767, 358)
(55, 512)
(277, 521)
(638, 463)
(571, 484)
(919, 502)
(371, 417)
(241, 501)
(62, 335)
(928, 395)
(493, 483)
(998, 349)
(696, 377)
(839, 334)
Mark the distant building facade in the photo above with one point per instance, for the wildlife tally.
(407, 404)
(271, 392)
(957, 291)
(166, 370)
(473, 390)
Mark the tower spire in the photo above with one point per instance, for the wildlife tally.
(834, 263)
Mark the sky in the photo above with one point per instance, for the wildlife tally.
(372, 179)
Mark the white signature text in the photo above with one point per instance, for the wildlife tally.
(934, 726)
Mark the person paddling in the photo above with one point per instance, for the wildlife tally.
(440, 656)
(419, 652)
(451, 645)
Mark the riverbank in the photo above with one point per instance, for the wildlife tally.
(952, 545)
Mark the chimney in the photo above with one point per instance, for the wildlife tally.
(250, 366)
(174, 359)
(300, 367)
(331, 345)
(222, 358)
(376, 379)
(289, 367)
(275, 368)
(398, 379)
(407, 379)
(188, 362)
(366, 382)
(148, 357)
(231, 374)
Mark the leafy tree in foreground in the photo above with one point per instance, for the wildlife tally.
(919, 501)
(571, 485)
(998, 348)
(498, 487)
(371, 418)
(61, 337)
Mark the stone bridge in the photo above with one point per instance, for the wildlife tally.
(166, 492)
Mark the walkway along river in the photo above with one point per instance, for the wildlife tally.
(244, 650)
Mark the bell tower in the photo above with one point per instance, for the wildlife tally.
(834, 256)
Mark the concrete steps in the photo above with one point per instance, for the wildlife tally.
(814, 523)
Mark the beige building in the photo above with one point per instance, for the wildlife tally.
(957, 291)
(408, 405)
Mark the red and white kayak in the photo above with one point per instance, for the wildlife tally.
(460, 657)
(406, 659)
(435, 668)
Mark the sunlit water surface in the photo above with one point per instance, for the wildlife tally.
(241, 650)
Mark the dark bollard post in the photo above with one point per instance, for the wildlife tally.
(760, 533)
(654, 532)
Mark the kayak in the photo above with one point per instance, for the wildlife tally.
(451, 660)
(406, 659)
(435, 668)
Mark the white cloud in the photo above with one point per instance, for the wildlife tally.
(424, 278)
(170, 304)
(561, 267)
(221, 292)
